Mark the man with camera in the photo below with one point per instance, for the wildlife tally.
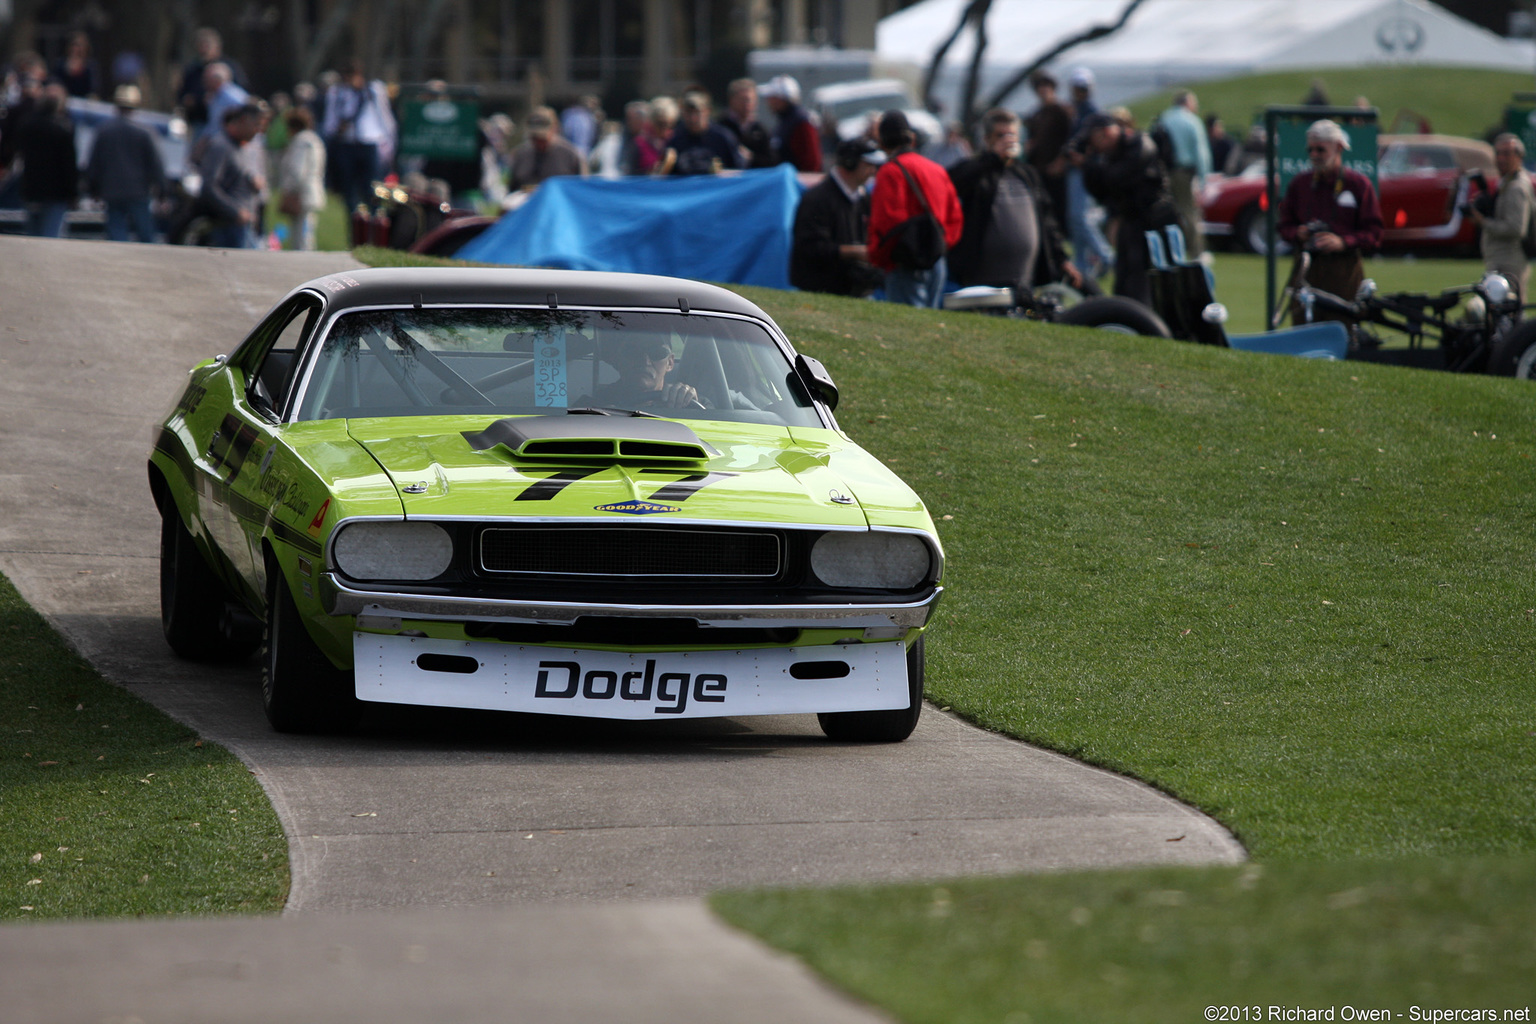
(1505, 215)
(1331, 213)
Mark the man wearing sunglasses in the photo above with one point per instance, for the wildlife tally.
(1332, 213)
(643, 367)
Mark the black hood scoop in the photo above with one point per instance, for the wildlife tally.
(614, 438)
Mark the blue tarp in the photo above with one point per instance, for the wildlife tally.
(732, 228)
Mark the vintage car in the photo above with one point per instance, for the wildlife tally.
(603, 495)
(1422, 180)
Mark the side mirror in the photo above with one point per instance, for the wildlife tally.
(817, 380)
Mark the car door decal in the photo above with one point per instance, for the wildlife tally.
(688, 486)
(230, 445)
(169, 444)
(547, 488)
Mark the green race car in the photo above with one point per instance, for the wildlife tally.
(569, 493)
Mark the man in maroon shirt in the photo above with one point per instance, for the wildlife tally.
(1332, 213)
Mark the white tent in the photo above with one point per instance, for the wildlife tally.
(1171, 42)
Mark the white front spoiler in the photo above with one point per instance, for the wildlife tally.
(653, 686)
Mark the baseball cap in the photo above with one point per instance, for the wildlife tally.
(782, 87)
(1081, 77)
(861, 150)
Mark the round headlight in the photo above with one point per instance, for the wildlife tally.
(1495, 286)
(393, 551)
(890, 561)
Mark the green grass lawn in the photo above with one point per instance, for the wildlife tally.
(110, 808)
(1457, 101)
(1291, 593)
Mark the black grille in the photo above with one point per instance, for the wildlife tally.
(630, 552)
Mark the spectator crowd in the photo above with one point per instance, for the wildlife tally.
(1060, 194)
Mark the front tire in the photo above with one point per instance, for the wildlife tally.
(194, 606)
(881, 726)
(1515, 354)
(301, 691)
(1115, 313)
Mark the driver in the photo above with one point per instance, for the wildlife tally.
(643, 365)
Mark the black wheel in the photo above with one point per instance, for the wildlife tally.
(1115, 313)
(195, 610)
(1248, 232)
(1514, 355)
(882, 726)
(301, 691)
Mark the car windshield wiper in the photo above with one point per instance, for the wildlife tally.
(592, 410)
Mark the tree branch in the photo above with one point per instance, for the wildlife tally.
(1096, 32)
(968, 98)
(938, 55)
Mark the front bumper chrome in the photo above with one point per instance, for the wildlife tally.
(339, 599)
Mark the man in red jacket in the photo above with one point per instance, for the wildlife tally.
(895, 202)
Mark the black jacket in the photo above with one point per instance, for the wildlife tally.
(825, 220)
(50, 172)
(976, 184)
(1131, 182)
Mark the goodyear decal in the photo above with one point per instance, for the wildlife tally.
(637, 508)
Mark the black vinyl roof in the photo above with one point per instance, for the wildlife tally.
(548, 288)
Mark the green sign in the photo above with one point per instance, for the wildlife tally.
(1520, 119)
(440, 129)
(1291, 148)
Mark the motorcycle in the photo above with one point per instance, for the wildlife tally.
(1476, 328)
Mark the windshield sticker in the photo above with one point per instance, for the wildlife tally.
(637, 508)
(549, 372)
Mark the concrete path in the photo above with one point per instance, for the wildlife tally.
(584, 848)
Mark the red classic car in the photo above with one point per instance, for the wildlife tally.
(1423, 180)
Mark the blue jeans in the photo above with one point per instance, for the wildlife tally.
(46, 220)
(130, 213)
(923, 288)
(356, 168)
(1090, 252)
(232, 235)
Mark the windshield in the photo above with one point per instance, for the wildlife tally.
(1400, 159)
(436, 361)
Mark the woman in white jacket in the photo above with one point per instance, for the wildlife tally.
(301, 177)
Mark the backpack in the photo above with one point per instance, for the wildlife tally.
(919, 241)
